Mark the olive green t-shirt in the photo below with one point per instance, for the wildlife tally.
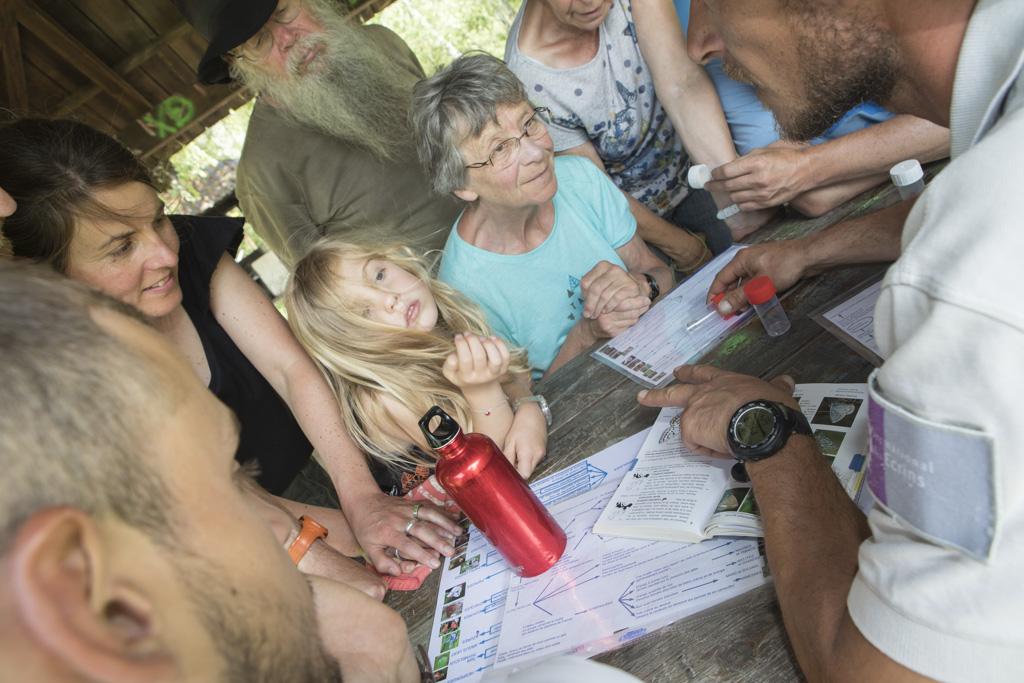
(296, 184)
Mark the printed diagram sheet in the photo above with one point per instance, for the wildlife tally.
(647, 585)
(474, 582)
(853, 321)
(661, 340)
(839, 420)
(605, 586)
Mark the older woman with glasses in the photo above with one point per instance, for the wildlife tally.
(546, 246)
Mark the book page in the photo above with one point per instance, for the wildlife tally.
(839, 419)
(671, 493)
(651, 349)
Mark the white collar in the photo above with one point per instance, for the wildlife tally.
(991, 59)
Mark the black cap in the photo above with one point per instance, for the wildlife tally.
(226, 24)
(447, 429)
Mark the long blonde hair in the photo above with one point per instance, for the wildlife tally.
(363, 360)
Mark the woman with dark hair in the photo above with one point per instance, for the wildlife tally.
(87, 206)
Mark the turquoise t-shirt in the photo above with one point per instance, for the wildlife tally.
(533, 299)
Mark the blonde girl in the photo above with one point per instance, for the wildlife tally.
(392, 341)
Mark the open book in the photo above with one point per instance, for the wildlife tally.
(672, 494)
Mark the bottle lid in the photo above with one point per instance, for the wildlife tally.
(728, 212)
(906, 173)
(759, 290)
(697, 176)
(442, 435)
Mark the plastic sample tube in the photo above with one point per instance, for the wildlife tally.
(693, 324)
(908, 177)
(760, 292)
(697, 177)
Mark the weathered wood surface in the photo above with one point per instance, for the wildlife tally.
(594, 407)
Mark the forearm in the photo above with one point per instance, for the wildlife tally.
(655, 230)
(812, 535)
(875, 149)
(316, 410)
(874, 238)
(821, 200)
(491, 410)
(580, 338)
(683, 88)
(341, 536)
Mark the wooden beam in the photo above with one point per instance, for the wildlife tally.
(77, 55)
(123, 68)
(14, 67)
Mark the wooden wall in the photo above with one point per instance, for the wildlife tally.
(124, 66)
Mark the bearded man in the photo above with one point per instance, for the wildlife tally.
(328, 149)
(927, 585)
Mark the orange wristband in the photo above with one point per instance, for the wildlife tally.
(311, 531)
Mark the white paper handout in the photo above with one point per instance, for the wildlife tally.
(479, 619)
(854, 319)
(607, 586)
(474, 582)
(651, 349)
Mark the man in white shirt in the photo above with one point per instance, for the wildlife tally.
(927, 586)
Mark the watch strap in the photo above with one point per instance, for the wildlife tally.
(311, 531)
(797, 419)
(655, 289)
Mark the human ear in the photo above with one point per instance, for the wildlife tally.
(71, 602)
(467, 196)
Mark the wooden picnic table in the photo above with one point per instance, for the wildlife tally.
(594, 407)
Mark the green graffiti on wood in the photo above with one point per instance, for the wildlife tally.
(169, 117)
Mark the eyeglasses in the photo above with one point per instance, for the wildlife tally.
(257, 48)
(506, 152)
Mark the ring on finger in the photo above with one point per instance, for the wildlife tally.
(410, 525)
(416, 512)
(398, 555)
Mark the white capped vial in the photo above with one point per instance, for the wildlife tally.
(697, 177)
(908, 177)
(760, 292)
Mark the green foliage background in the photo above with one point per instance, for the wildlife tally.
(438, 31)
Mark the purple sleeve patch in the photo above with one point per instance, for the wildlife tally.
(935, 477)
(876, 444)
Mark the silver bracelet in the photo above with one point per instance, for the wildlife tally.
(541, 402)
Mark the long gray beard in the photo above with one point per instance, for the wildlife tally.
(352, 92)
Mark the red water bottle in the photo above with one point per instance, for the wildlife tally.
(474, 471)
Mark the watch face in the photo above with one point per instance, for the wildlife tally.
(755, 426)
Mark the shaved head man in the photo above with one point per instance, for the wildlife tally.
(129, 548)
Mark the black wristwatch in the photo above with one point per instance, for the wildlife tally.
(760, 429)
(653, 284)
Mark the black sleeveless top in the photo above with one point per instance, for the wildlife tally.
(270, 435)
